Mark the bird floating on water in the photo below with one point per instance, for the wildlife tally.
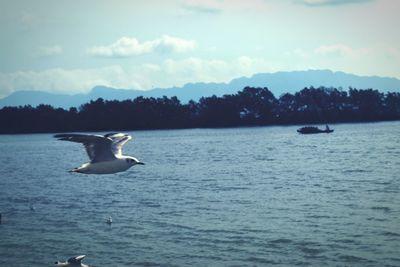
(105, 152)
(109, 220)
(72, 262)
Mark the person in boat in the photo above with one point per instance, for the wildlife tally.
(327, 128)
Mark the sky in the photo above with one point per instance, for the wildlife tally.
(64, 46)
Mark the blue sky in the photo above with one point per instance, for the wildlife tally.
(71, 46)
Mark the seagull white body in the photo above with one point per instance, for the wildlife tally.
(72, 262)
(105, 152)
(109, 220)
(106, 167)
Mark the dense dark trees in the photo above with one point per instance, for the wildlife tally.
(251, 106)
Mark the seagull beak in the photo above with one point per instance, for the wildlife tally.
(140, 163)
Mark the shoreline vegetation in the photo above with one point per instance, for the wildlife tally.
(249, 107)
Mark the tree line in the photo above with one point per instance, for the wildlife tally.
(248, 107)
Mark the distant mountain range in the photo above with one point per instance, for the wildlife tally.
(278, 83)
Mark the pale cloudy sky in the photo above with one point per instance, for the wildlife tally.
(70, 46)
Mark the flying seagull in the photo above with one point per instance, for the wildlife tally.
(105, 152)
(72, 262)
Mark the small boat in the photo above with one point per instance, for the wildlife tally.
(314, 130)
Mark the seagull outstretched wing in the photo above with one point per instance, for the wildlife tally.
(118, 140)
(98, 147)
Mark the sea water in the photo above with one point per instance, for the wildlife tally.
(263, 196)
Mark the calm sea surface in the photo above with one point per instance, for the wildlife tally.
(208, 197)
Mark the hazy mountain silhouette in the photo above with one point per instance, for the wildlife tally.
(278, 83)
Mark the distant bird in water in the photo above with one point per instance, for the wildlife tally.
(72, 262)
(109, 220)
(105, 152)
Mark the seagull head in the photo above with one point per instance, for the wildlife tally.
(133, 161)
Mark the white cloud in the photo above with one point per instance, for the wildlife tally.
(174, 44)
(130, 46)
(145, 76)
(65, 81)
(46, 51)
